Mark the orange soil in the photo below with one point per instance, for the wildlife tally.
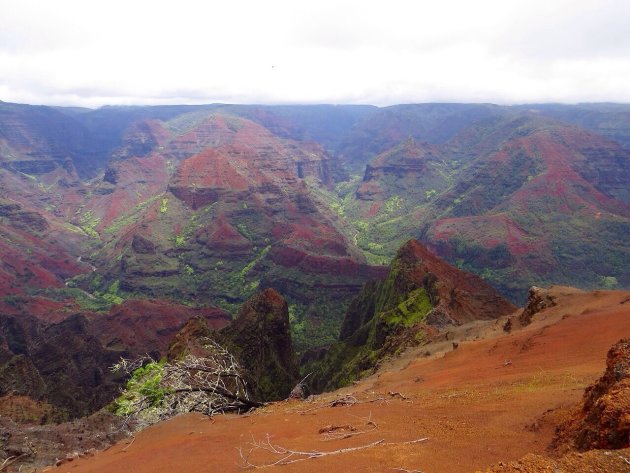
(477, 405)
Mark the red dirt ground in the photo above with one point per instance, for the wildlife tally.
(495, 398)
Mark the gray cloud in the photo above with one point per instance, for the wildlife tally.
(72, 52)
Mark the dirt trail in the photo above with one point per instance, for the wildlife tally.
(493, 399)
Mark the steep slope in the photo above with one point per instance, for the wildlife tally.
(67, 363)
(601, 421)
(260, 338)
(520, 199)
(610, 120)
(415, 170)
(209, 206)
(387, 127)
(492, 400)
(36, 140)
(208, 203)
(551, 199)
(324, 124)
(32, 255)
(420, 295)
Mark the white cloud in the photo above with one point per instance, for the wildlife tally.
(277, 51)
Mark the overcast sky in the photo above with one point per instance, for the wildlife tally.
(91, 53)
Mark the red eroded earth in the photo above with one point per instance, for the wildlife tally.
(496, 398)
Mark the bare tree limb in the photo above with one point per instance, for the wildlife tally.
(286, 456)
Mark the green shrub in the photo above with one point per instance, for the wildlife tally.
(145, 383)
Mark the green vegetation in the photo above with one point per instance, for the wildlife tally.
(410, 311)
(158, 390)
(15, 300)
(88, 223)
(249, 266)
(111, 296)
(95, 302)
(144, 385)
(385, 318)
(132, 216)
(393, 204)
(429, 194)
(164, 205)
(243, 230)
(609, 282)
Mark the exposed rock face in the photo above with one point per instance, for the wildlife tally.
(218, 207)
(67, 363)
(141, 326)
(537, 299)
(603, 421)
(189, 340)
(62, 363)
(421, 285)
(460, 296)
(498, 195)
(409, 169)
(260, 338)
(420, 294)
(242, 158)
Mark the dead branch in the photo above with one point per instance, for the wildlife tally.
(346, 400)
(30, 451)
(287, 456)
(210, 384)
(299, 391)
(339, 432)
(409, 442)
(397, 394)
(133, 439)
(407, 471)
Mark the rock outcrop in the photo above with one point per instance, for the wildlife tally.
(260, 338)
(67, 363)
(538, 299)
(603, 421)
(63, 364)
(420, 295)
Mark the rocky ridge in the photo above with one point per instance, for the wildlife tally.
(420, 295)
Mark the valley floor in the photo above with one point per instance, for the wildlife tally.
(495, 398)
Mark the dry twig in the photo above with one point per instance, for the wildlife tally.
(288, 456)
(339, 432)
(397, 394)
(30, 451)
(345, 401)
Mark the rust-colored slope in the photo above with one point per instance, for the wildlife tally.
(478, 405)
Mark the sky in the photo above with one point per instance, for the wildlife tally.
(133, 52)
